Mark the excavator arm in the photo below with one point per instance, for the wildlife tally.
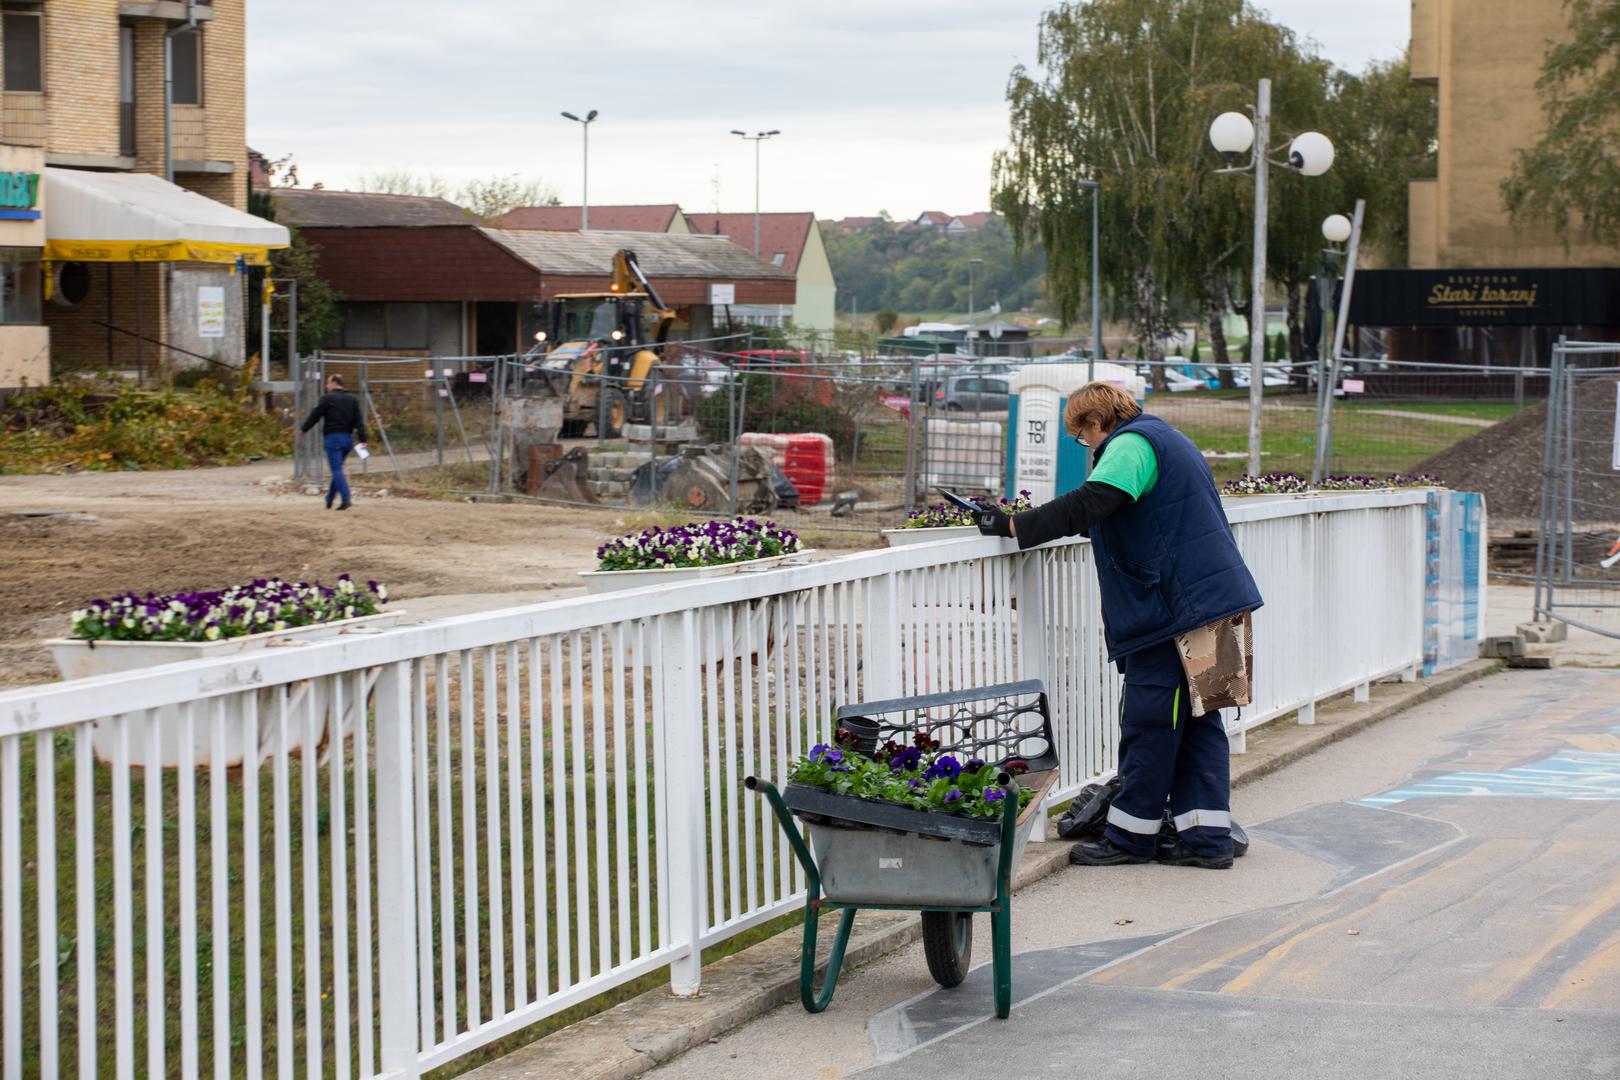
(627, 277)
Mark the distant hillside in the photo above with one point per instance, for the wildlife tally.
(912, 270)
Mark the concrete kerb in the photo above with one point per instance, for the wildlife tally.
(644, 1032)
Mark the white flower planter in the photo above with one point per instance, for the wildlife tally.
(79, 659)
(605, 581)
(903, 537)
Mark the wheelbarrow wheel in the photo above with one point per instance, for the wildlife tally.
(948, 944)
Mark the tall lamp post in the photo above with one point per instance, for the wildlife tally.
(1310, 153)
(971, 264)
(1336, 229)
(756, 139)
(585, 182)
(1096, 280)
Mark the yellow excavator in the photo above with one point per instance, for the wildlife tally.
(600, 352)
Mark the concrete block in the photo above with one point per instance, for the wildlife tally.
(1503, 647)
(666, 434)
(1544, 633)
(1534, 663)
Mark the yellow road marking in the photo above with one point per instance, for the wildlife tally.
(1605, 961)
(1223, 958)
(1263, 966)
(1505, 976)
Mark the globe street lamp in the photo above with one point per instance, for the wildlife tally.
(756, 140)
(585, 182)
(1311, 154)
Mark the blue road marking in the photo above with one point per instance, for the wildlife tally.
(1572, 774)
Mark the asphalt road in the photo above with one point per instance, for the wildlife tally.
(1438, 896)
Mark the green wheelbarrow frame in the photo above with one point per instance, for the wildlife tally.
(1019, 721)
(999, 909)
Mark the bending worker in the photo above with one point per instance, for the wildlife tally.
(1175, 593)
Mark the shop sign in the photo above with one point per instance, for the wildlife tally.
(19, 196)
(1551, 296)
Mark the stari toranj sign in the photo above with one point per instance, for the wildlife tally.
(1469, 293)
(19, 195)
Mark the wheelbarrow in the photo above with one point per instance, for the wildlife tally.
(863, 853)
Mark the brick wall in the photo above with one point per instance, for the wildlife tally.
(81, 76)
(225, 96)
(78, 340)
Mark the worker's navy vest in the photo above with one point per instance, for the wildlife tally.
(1167, 563)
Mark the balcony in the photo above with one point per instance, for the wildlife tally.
(24, 119)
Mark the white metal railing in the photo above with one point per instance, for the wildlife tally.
(543, 803)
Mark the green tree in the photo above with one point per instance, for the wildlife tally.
(319, 316)
(1124, 93)
(886, 320)
(1571, 177)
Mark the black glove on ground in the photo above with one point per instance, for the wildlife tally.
(993, 522)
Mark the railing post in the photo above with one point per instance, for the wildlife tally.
(396, 872)
(882, 662)
(683, 786)
(1033, 635)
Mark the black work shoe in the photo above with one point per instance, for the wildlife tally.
(1168, 840)
(345, 504)
(1103, 852)
(1182, 855)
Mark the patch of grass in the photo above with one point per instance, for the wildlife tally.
(1477, 410)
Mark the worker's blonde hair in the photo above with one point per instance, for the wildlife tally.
(1100, 403)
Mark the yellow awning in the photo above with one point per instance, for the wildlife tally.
(137, 217)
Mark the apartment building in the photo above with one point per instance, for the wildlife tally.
(129, 253)
(1482, 288)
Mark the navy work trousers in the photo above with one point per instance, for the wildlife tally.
(1165, 753)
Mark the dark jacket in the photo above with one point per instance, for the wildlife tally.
(1167, 563)
(341, 411)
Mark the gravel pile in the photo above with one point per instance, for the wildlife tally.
(1504, 462)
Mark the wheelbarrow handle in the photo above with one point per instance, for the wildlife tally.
(784, 817)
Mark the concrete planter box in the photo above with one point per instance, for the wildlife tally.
(79, 659)
(605, 581)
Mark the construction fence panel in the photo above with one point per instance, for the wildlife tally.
(382, 853)
(1578, 541)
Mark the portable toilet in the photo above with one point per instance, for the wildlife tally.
(1042, 459)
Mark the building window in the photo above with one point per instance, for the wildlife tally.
(19, 286)
(23, 56)
(383, 326)
(126, 91)
(779, 258)
(186, 49)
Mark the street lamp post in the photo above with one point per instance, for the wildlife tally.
(974, 339)
(1096, 280)
(585, 181)
(1337, 230)
(756, 140)
(1311, 154)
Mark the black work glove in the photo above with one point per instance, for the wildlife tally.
(992, 522)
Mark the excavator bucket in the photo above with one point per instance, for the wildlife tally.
(568, 478)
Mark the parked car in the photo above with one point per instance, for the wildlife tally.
(972, 393)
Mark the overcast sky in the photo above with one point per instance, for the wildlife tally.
(883, 105)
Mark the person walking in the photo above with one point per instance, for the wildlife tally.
(1176, 597)
(343, 429)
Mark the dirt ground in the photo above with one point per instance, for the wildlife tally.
(69, 539)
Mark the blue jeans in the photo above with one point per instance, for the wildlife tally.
(337, 448)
